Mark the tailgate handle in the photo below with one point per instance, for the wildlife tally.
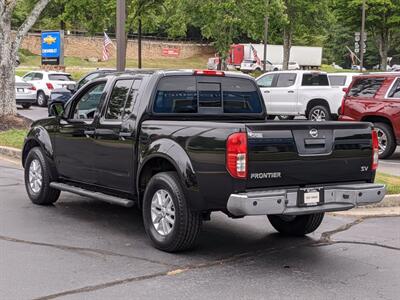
(314, 143)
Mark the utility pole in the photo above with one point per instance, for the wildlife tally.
(266, 28)
(362, 34)
(121, 38)
(140, 42)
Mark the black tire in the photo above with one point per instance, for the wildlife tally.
(271, 117)
(26, 105)
(45, 195)
(319, 109)
(390, 140)
(187, 223)
(41, 99)
(286, 118)
(296, 225)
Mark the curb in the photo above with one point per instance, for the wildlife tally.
(11, 152)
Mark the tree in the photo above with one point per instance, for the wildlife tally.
(9, 45)
(302, 18)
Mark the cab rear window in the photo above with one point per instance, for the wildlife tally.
(366, 87)
(207, 95)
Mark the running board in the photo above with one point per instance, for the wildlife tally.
(90, 194)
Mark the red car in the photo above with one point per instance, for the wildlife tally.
(375, 98)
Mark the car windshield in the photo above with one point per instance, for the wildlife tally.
(60, 77)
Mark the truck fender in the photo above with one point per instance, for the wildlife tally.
(172, 152)
(37, 136)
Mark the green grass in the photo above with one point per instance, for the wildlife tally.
(392, 182)
(12, 138)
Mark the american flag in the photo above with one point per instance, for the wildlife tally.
(255, 55)
(107, 42)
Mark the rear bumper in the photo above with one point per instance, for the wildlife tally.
(28, 98)
(284, 201)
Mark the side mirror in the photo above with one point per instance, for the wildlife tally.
(71, 88)
(345, 89)
(56, 109)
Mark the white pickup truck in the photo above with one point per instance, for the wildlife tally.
(300, 93)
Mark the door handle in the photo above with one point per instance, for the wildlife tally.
(267, 92)
(89, 133)
(124, 135)
(291, 92)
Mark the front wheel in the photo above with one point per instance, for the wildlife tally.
(319, 113)
(38, 177)
(168, 220)
(296, 225)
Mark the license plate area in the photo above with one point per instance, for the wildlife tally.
(310, 196)
(20, 90)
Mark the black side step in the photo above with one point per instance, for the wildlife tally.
(90, 194)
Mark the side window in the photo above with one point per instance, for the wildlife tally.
(28, 76)
(366, 87)
(286, 79)
(38, 76)
(131, 100)
(87, 104)
(395, 91)
(119, 95)
(87, 79)
(315, 80)
(266, 81)
(176, 94)
(337, 80)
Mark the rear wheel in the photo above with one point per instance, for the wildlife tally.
(319, 113)
(26, 105)
(41, 99)
(386, 139)
(296, 225)
(38, 177)
(271, 117)
(168, 220)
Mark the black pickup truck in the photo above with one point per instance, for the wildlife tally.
(182, 144)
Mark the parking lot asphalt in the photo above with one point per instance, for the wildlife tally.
(85, 249)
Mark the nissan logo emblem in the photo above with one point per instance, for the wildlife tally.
(314, 133)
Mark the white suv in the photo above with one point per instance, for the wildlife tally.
(45, 82)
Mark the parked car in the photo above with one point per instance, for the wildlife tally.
(25, 93)
(300, 93)
(250, 65)
(45, 82)
(375, 98)
(292, 66)
(182, 144)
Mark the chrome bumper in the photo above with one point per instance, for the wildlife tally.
(284, 202)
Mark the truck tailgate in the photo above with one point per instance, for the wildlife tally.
(308, 153)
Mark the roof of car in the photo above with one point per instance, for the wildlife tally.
(345, 73)
(380, 74)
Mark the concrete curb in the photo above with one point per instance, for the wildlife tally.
(11, 152)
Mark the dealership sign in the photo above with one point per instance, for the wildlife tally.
(52, 47)
(171, 52)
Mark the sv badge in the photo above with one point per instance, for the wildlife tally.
(364, 168)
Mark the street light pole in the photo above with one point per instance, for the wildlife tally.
(362, 37)
(121, 37)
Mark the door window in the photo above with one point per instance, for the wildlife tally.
(28, 76)
(286, 79)
(131, 100)
(366, 87)
(119, 95)
(87, 104)
(395, 91)
(337, 80)
(38, 76)
(315, 80)
(266, 81)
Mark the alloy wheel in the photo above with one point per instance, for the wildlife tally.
(35, 176)
(382, 140)
(162, 212)
(318, 115)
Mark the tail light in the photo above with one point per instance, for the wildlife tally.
(236, 155)
(32, 88)
(345, 90)
(49, 86)
(375, 150)
(209, 73)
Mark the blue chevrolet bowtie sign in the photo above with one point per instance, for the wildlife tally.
(52, 42)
